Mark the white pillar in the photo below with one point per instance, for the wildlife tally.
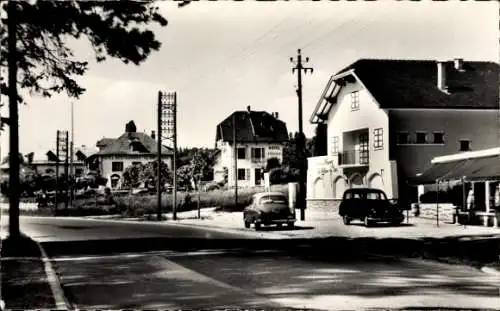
(420, 191)
(487, 202)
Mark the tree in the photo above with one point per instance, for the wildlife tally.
(272, 163)
(147, 173)
(34, 50)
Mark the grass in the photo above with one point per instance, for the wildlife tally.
(139, 205)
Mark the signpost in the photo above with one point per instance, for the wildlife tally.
(167, 129)
(61, 152)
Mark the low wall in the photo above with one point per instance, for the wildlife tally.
(429, 211)
(323, 208)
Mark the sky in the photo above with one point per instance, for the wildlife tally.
(224, 56)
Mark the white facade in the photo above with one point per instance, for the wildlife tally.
(252, 162)
(354, 123)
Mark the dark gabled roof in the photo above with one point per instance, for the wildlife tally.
(143, 144)
(413, 83)
(252, 126)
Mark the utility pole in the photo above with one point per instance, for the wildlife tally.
(14, 165)
(72, 145)
(56, 198)
(235, 162)
(174, 164)
(158, 182)
(300, 143)
(66, 175)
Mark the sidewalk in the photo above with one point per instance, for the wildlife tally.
(24, 280)
(322, 225)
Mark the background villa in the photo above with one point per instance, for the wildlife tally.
(259, 137)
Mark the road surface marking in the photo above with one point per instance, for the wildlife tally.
(154, 253)
(57, 291)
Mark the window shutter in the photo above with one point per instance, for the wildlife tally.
(248, 174)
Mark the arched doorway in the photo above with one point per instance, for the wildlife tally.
(356, 181)
(318, 188)
(376, 181)
(340, 185)
(114, 181)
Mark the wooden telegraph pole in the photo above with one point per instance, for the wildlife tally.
(300, 143)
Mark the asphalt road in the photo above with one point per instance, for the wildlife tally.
(123, 265)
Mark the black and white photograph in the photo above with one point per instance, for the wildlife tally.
(250, 155)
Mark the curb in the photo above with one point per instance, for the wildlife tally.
(57, 291)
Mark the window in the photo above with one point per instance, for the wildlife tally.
(438, 138)
(464, 145)
(258, 153)
(78, 171)
(363, 148)
(335, 144)
(242, 153)
(117, 166)
(403, 138)
(421, 137)
(378, 142)
(241, 174)
(355, 100)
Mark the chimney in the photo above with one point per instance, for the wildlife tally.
(153, 134)
(276, 115)
(249, 108)
(441, 75)
(459, 63)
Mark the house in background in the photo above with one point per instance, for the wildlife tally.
(259, 136)
(46, 163)
(386, 120)
(116, 154)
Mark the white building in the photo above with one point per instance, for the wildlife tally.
(259, 137)
(386, 120)
(115, 155)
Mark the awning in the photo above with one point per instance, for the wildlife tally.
(472, 169)
(485, 168)
(436, 172)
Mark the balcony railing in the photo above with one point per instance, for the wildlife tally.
(258, 160)
(353, 157)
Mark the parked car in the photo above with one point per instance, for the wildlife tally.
(269, 208)
(370, 206)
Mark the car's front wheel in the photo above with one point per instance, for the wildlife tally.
(247, 224)
(257, 226)
(347, 220)
(291, 225)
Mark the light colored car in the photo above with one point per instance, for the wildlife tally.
(269, 208)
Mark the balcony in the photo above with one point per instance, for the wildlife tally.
(353, 158)
(258, 160)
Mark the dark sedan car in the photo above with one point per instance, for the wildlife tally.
(268, 208)
(370, 206)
